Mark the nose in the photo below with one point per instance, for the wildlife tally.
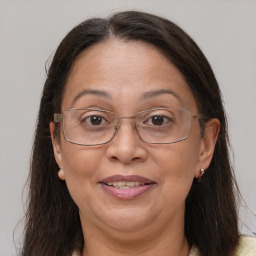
(126, 146)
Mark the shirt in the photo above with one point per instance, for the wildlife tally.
(246, 247)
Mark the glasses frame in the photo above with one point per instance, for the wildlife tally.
(59, 118)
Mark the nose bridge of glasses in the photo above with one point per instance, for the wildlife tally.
(121, 118)
(126, 117)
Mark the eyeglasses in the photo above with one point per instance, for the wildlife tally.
(92, 126)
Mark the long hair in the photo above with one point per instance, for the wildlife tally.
(52, 219)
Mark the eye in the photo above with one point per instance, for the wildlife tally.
(95, 120)
(158, 120)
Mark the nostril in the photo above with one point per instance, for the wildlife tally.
(136, 158)
(114, 158)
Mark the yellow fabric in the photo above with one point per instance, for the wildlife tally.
(246, 247)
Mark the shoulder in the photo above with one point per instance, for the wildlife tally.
(246, 246)
(194, 251)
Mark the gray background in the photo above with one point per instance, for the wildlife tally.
(30, 32)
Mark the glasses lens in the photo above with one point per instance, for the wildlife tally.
(164, 126)
(94, 126)
(89, 126)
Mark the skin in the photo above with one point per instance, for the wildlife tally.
(153, 223)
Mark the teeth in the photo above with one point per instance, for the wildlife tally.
(125, 184)
(121, 183)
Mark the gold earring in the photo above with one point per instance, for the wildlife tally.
(201, 174)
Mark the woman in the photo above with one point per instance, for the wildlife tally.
(131, 148)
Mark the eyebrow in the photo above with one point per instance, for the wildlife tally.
(155, 93)
(145, 96)
(99, 93)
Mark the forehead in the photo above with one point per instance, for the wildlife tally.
(125, 70)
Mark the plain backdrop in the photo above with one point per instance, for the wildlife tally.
(30, 31)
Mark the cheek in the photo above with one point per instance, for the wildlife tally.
(80, 165)
(79, 160)
(178, 160)
(177, 166)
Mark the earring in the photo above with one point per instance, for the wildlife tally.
(201, 174)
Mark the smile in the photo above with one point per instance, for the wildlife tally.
(126, 187)
(125, 184)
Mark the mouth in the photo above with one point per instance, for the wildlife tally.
(125, 184)
(126, 187)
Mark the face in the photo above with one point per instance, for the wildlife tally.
(125, 71)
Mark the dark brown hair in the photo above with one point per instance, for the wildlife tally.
(52, 220)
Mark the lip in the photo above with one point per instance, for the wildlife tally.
(133, 178)
(128, 193)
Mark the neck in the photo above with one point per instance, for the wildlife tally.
(168, 242)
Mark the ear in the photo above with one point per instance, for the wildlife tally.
(207, 145)
(57, 151)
